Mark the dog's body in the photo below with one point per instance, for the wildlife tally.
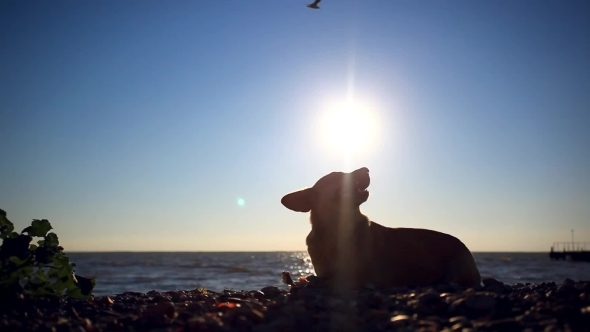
(351, 251)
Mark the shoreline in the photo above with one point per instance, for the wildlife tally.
(312, 307)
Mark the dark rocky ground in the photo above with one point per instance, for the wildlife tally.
(311, 307)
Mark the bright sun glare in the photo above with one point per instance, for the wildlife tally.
(349, 128)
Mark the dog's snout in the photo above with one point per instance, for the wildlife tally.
(363, 169)
(362, 178)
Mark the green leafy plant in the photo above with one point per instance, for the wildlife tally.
(37, 269)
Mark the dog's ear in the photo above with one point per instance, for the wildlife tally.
(299, 201)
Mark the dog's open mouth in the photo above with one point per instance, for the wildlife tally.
(362, 179)
(359, 189)
(361, 183)
(362, 194)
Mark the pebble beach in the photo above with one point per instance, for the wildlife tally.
(311, 306)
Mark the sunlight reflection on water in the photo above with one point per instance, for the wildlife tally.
(142, 272)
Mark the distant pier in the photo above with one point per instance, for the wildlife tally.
(570, 251)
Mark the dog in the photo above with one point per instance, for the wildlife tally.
(350, 251)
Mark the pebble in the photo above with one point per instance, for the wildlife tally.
(568, 282)
(310, 306)
(271, 291)
(259, 295)
(430, 298)
(506, 324)
(493, 285)
(400, 320)
(457, 307)
(481, 302)
(458, 319)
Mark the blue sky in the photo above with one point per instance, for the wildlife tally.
(138, 125)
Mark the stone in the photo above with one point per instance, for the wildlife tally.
(249, 313)
(427, 325)
(493, 285)
(491, 281)
(481, 302)
(257, 294)
(271, 291)
(458, 319)
(565, 291)
(400, 320)
(430, 298)
(104, 301)
(457, 307)
(196, 307)
(457, 327)
(507, 324)
(445, 288)
(161, 313)
(568, 282)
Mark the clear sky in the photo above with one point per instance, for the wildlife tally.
(141, 125)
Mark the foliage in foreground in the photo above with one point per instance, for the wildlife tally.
(37, 269)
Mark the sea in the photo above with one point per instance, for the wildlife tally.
(118, 272)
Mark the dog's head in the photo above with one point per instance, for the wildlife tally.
(332, 196)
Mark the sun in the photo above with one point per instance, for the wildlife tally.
(349, 128)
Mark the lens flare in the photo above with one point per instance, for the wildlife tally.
(241, 202)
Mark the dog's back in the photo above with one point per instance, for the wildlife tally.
(420, 257)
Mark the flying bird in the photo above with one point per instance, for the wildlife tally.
(314, 5)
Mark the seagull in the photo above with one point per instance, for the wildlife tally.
(314, 5)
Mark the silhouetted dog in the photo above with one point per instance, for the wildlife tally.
(350, 251)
